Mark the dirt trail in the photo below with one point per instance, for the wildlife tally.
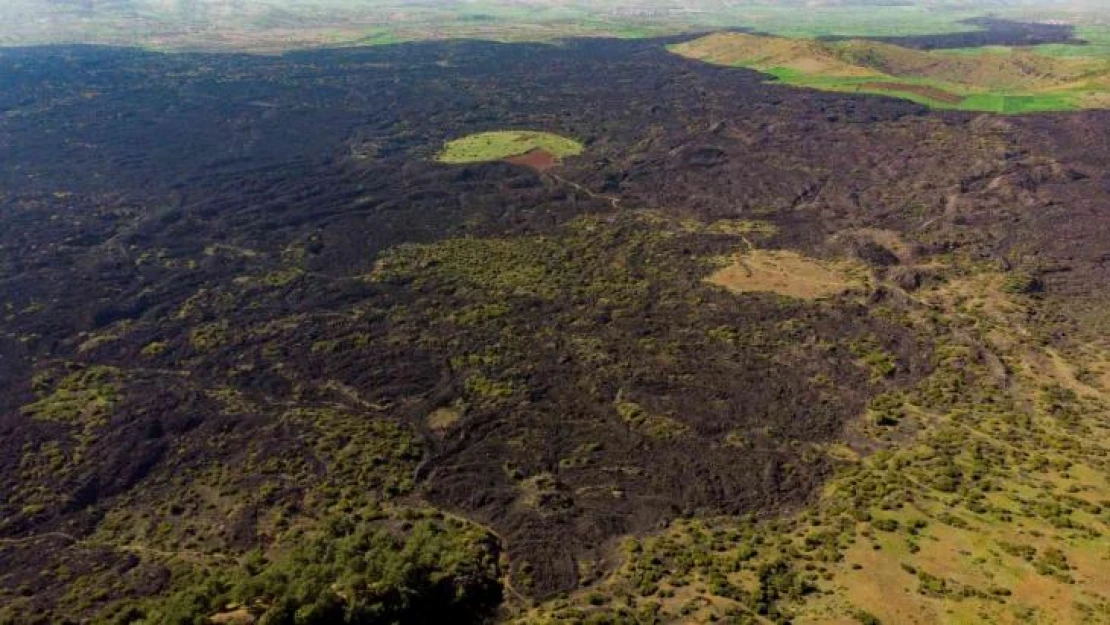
(29, 539)
(614, 201)
(184, 553)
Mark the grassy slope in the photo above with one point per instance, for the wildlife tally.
(496, 145)
(1000, 80)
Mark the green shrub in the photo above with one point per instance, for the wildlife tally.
(353, 574)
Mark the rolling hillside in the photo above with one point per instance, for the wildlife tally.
(998, 79)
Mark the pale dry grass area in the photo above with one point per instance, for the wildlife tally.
(787, 273)
(442, 419)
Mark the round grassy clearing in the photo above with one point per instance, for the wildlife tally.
(501, 144)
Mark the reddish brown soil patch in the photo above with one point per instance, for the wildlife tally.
(932, 93)
(539, 160)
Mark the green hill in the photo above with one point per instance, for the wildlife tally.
(997, 79)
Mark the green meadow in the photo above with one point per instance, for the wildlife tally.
(499, 144)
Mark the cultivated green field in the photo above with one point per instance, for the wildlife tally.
(499, 144)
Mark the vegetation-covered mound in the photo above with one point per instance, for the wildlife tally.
(1003, 80)
(503, 144)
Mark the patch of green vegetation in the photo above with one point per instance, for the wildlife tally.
(483, 388)
(1019, 104)
(1053, 562)
(480, 313)
(376, 453)
(155, 348)
(276, 278)
(1022, 284)
(734, 227)
(500, 144)
(380, 37)
(351, 571)
(543, 267)
(887, 409)
(84, 397)
(651, 425)
(209, 335)
(881, 364)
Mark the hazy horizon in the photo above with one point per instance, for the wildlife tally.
(264, 25)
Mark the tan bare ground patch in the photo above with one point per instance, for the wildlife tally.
(786, 273)
(934, 93)
(1051, 598)
(1089, 566)
(883, 588)
(442, 418)
(1096, 100)
(237, 616)
(828, 619)
(812, 65)
(539, 160)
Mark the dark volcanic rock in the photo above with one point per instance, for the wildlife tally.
(206, 228)
(990, 31)
(875, 254)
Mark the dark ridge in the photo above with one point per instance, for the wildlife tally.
(995, 32)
